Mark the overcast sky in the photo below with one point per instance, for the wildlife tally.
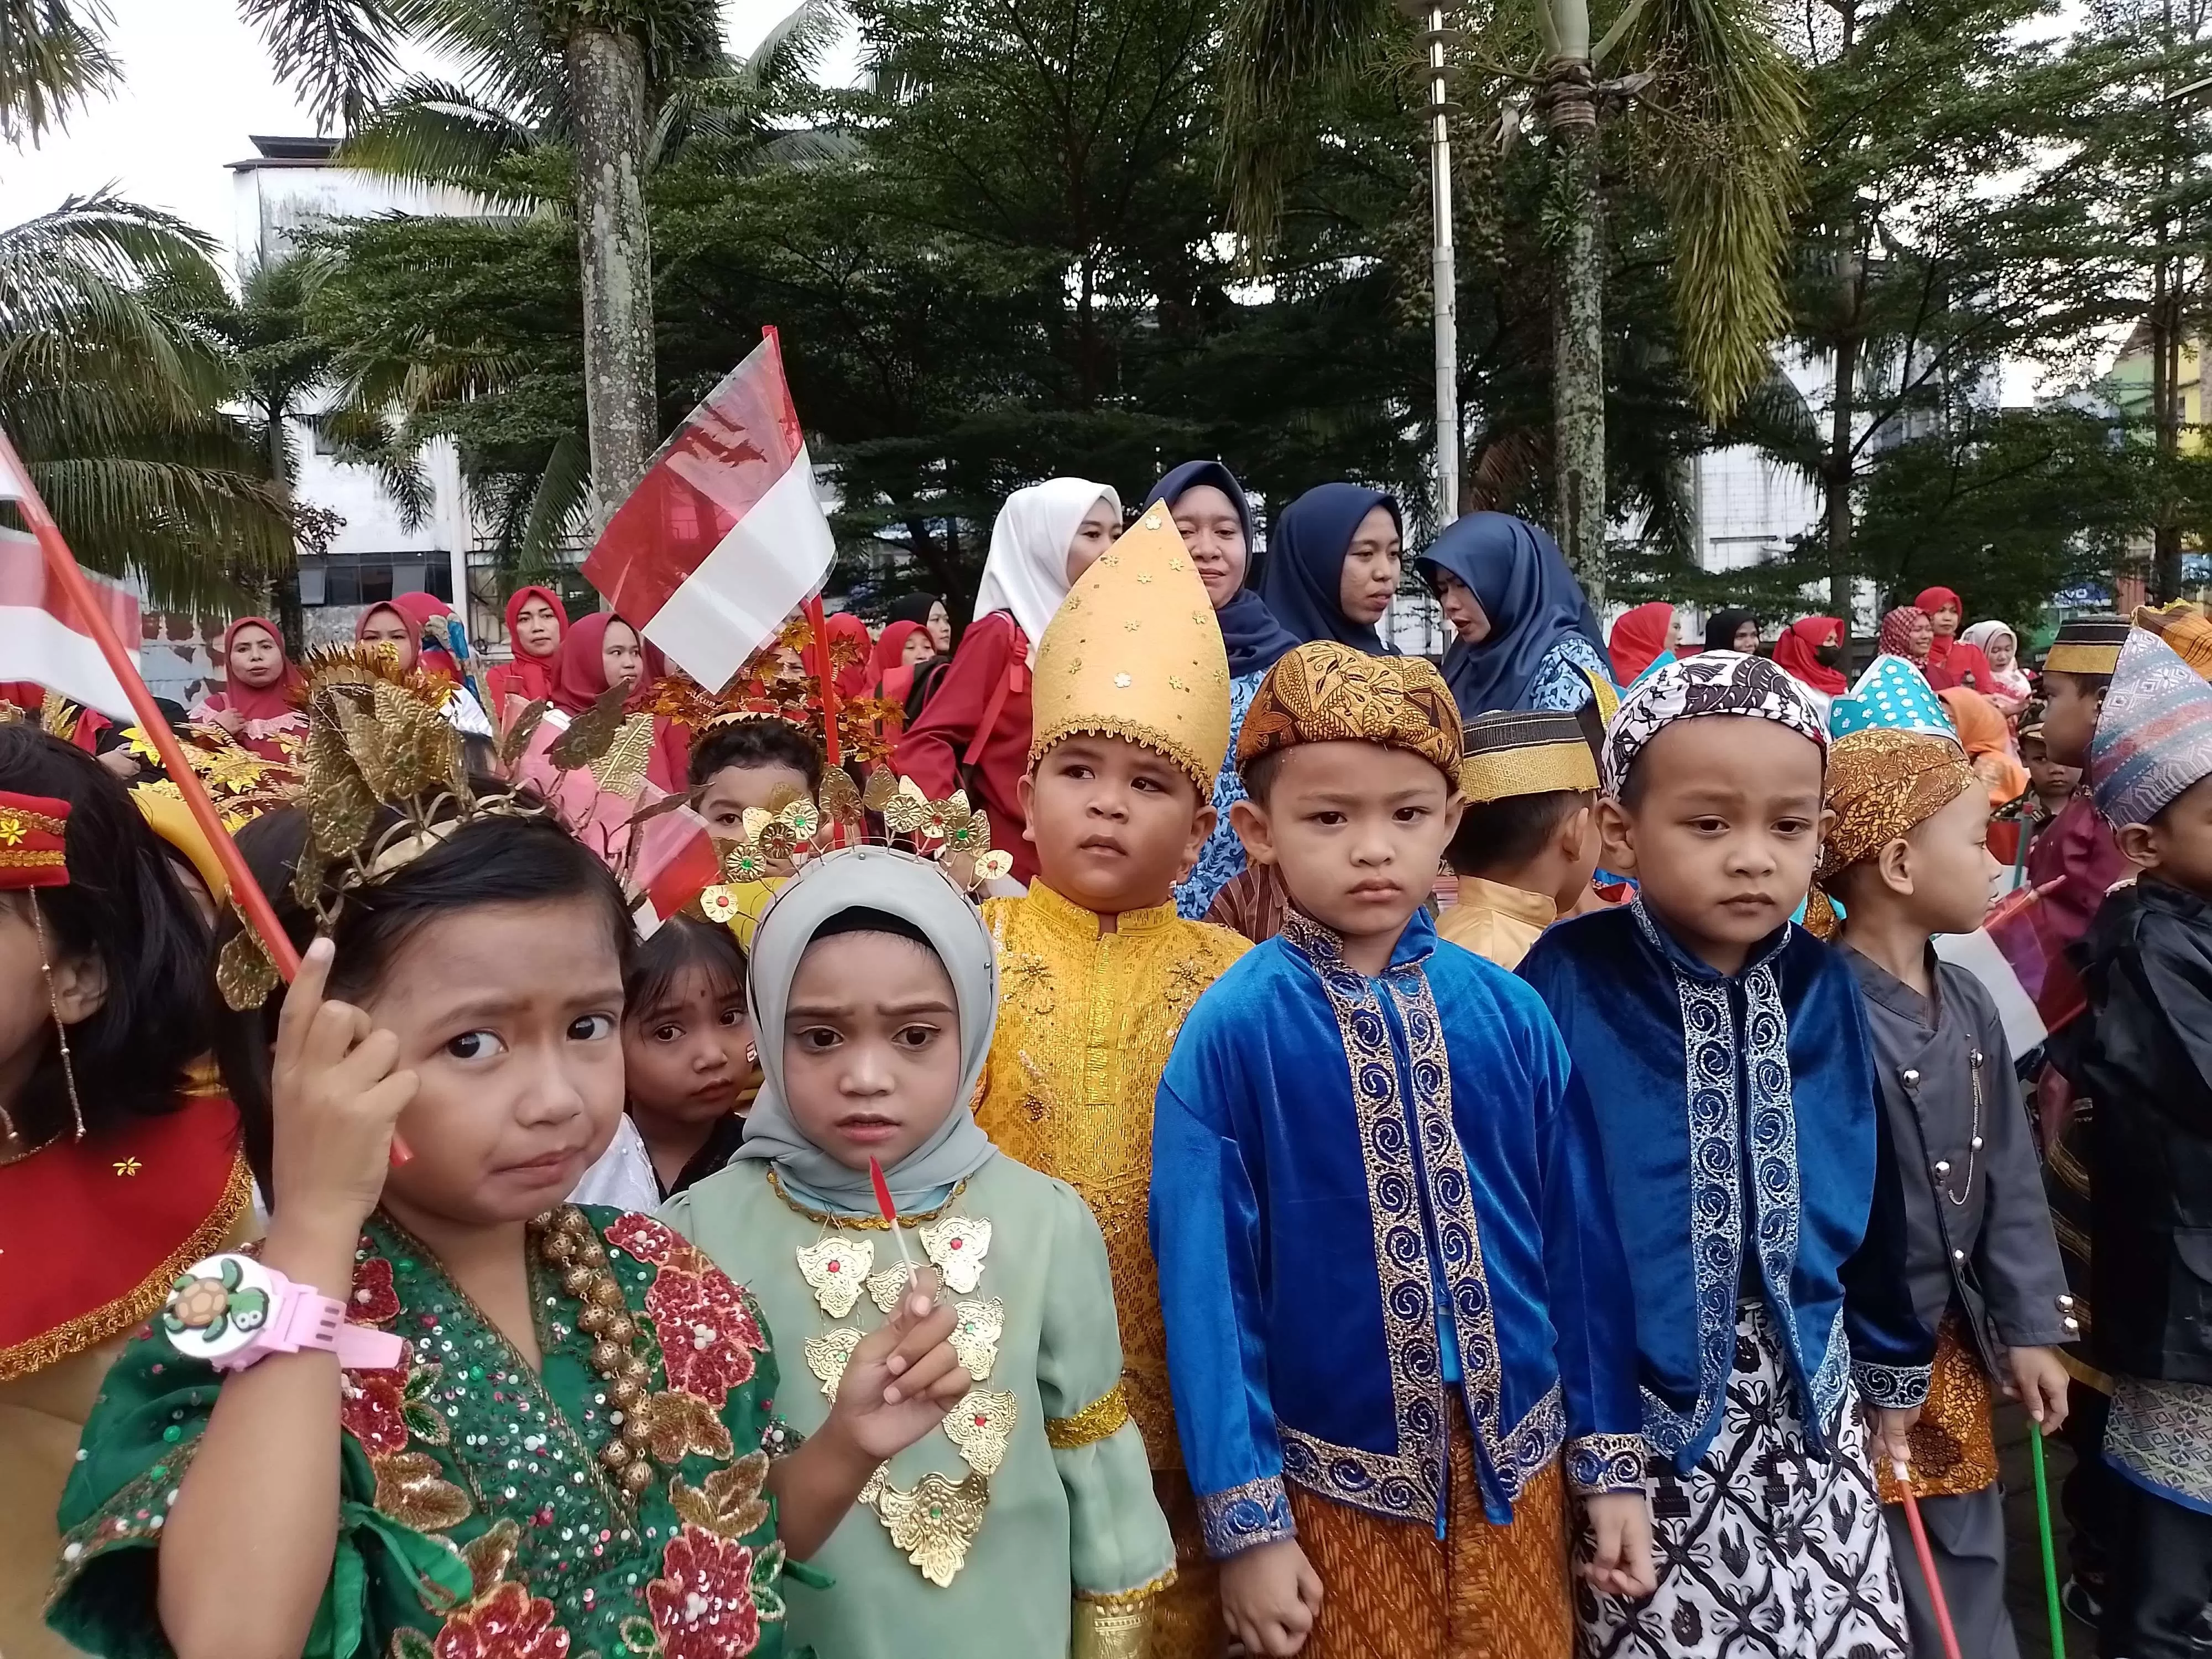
(197, 82)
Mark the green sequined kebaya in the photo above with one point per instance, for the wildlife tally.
(610, 1504)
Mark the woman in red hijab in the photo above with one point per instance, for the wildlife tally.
(898, 649)
(853, 680)
(1810, 650)
(536, 622)
(1640, 638)
(401, 622)
(1951, 660)
(255, 705)
(602, 650)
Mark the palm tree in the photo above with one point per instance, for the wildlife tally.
(114, 391)
(1721, 115)
(53, 57)
(592, 71)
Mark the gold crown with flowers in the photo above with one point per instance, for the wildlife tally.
(1135, 653)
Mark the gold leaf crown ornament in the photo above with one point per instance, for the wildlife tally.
(779, 683)
(1134, 651)
(377, 742)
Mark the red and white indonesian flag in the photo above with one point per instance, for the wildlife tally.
(2022, 965)
(43, 638)
(679, 862)
(723, 538)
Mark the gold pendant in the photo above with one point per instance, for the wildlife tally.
(874, 1488)
(980, 1425)
(828, 1354)
(935, 1521)
(835, 1270)
(957, 1244)
(885, 1288)
(975, 1336)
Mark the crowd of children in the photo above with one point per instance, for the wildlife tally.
(869, 1257)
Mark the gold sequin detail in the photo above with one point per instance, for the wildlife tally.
(1102, 1417)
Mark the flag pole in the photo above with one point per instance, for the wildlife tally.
(245, 891)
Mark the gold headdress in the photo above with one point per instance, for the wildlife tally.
(780, 683)
(377, 742)
(1134, 651)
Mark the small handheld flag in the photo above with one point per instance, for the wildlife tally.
(1921, 1548)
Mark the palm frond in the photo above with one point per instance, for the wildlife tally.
(559, 508)
(1727, 110)
(53, 60)
(434, 131)
(790, 55)
(338, 52)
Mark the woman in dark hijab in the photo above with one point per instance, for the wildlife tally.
(1215, 522)
(928, 610)
(1524, 636)
(1732, 630)
(1332, 564)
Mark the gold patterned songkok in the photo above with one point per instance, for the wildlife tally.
(1135, 653)
(1325, 692)
(1510, 752)
(1883, 782)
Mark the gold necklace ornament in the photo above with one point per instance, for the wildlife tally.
(835, 1270)
(957, 1245)
(571, 1247)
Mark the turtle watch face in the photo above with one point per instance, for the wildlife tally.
(215, 1306)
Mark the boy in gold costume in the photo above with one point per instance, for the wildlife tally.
(1098, 971)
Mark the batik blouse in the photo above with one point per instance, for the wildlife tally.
(478, 1518)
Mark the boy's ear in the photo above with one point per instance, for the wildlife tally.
(1616, 836)
(1892, 862)
(1249, 820)
(1202, 822)
(2140, 845)
(1454, 810)
(80, 987)
(1574, 833)
(1024, 792)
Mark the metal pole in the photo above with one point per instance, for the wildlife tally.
(1443, 278)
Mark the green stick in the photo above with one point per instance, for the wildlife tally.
(2049, 1551)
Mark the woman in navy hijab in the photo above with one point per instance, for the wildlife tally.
(1523, 634)
(1333, 563)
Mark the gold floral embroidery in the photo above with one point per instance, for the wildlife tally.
(412, 1490)
(729, 1504)
(1102, 1417)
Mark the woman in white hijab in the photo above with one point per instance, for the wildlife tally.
(974, 732)
(873, 993)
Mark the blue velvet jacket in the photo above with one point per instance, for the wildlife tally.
(1345, 1173)
(1704, 1084)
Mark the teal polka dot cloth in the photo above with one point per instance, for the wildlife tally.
(1892, 693)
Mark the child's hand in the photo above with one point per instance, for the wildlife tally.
(901, 1379)
(335, 1098)
(2039, 1382)
(1620, 1554)
(1891, 1428)
(1271, 1596)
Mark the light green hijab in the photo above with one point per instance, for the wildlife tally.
(915, 890)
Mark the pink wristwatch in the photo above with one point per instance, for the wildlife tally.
(232, 1311)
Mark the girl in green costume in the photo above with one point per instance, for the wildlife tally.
(1026, 1528)
(578, 1453)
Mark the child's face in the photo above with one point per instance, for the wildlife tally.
(2176, 846)
(1725, 833)
(1356, 831)
(1100, 526)
(683, 1054)
(870, 1047)
(2046, 776)
(1947, 867)
(724, 797)
(511, 1015)
(2070, 716)
(254, 658)
(1114, 825)
(537, 630)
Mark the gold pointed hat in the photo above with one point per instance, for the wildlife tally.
(1134, 652)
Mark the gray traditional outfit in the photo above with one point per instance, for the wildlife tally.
(1984, 1268)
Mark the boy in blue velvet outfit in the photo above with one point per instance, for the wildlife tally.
(1725, 1053)
(1398, 1324)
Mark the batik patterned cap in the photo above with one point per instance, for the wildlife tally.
(1892, 696)
(2184, 628)
(1883, 782)
(1711, 683)
(1324, 692)
(2154, 736)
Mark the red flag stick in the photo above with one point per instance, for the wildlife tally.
(244, 890)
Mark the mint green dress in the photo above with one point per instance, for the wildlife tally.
(476, 1520)
(977, 1541)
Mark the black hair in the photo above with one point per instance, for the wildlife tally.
(1259, 774)
(677, 945)
(123, 909)
(863, 918)
(2089, 685)
(765, 742)
(1505, 833)
(488, 860)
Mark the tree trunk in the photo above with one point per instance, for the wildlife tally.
(1578, 330)
(1835, 468)
(2166, 410)
(606, 80)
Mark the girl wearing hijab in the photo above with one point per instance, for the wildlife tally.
(535, 622)
(901, 648)
(1525, 637)
(974, 734)
(1811, 652)
(1952, 661)
(1214, 519)
(255, 705)
(928, 610)
(1332, 564)
(1643, 638)
(602, 651)
(400, 624)
(1732, 630)
(1030, 1517)
(1987, 740)
(2010, 688)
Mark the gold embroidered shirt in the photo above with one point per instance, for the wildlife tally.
(1085, 1023)
(1496, 920)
